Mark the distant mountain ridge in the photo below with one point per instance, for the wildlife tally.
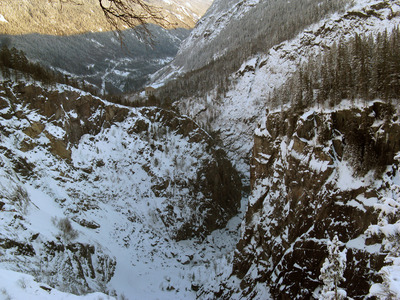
(232, 31)
(99, 58)
(59, 18)
(76, 40)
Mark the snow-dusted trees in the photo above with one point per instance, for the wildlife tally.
(266, 24)
(332, 272)
(14, 62)
(388, 229)
(365, 67)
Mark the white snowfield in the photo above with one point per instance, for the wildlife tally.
(15, 285)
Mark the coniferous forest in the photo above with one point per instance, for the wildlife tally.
(366, 67)
(13, 62)
(253, 37)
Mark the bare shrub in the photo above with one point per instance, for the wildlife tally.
(20, 199)
(22, 283)
(5, 294)
(67, 233)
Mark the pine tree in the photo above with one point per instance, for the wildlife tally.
(332, 271)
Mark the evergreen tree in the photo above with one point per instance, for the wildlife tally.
(365, 67)
(332, 272)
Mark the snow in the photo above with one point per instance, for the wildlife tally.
(318, 165)
(346, 179)
(43, 210)
(359, 243)
(356, 204)
(121, 73)
(2, 19)
(15, 285)
(107, 183)
(308, 113)
(96, 43)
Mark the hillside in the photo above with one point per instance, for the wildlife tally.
(76, 17)
(270, 169)
(99, 58)
(238, 99)
(231, 31)
(76, 40)
(323, 161)
(103, 195)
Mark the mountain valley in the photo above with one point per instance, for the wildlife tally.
(263, 169)
(76, 39)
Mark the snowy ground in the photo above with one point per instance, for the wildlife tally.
(108, 185)
(148, 265)
(16, 285)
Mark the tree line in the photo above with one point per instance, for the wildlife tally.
(365, 67)
(268, 24)
(14, 64)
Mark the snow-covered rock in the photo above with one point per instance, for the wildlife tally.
(97, 196)
(317, 174)
(244, 101)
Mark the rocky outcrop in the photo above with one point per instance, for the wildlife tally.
(115, 175)
(75, 267)
(214, 194)
(83, 267)
(315, 175)
(76, 112)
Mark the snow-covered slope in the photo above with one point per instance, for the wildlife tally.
(100, 197)
(246, 98)
(197, 50)
(22, 286)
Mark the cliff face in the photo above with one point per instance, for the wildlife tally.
(314, 175)
(250, 85)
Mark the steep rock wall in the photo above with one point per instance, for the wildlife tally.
(314, 175)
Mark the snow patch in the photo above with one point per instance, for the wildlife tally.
(15, 285)
(2, 19)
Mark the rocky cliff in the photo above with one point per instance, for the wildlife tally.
(82, 180)
(316, 174)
